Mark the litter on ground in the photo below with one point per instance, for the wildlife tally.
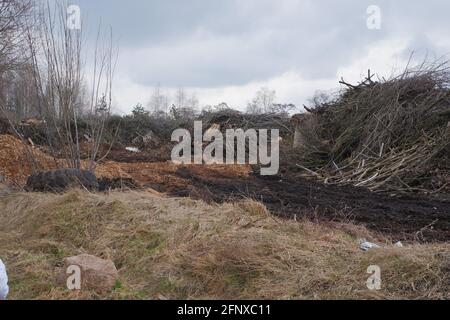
(133, 149)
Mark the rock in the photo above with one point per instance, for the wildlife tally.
(97, 274)
(60, 180)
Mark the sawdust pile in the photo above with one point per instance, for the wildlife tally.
(18, 161)
(109, 170)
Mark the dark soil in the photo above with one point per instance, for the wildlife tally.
(404, 218)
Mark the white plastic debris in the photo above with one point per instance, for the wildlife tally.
(366, 245)
(398, 245)
(4, 289)
(133, 149)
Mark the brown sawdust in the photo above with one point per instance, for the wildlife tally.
(19, 160)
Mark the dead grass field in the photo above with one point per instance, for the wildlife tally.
(166, 248)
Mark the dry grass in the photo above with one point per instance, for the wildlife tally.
(180, 248)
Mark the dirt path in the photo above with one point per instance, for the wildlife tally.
(403, 218)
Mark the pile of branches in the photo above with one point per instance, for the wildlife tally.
(233, 119)
(387, 135)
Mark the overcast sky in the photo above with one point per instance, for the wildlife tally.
(225, 50)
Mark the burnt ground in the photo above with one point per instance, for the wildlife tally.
(412, 217)
(406, 218)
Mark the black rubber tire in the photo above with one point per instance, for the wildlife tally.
(61, 180)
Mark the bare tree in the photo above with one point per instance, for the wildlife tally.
(101, 95)
(185, 106)
(263, 102)
(13, 18)
(180, 98)
(14, 15)
(193, 102)
(18, 93)
(59, 77)
(159, 102)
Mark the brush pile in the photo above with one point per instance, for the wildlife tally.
(386, 135)
(232, 119)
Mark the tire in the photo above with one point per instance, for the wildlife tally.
(61, 180)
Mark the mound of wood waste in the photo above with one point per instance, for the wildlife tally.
(18, 160)
(21, 159)
(232, 119)
(387, 135)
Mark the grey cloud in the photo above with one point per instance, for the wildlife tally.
(204, 43)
